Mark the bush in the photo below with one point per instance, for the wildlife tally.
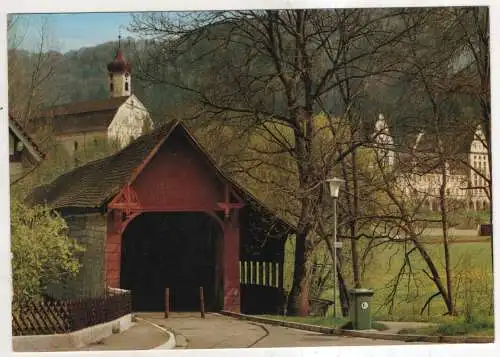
(42, 253)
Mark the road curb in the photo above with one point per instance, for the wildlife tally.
(170, 344)
(362, 334)
(73, 340)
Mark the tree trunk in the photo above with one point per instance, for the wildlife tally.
(298, 301)
(434, 275)
(354, 224)
(444, 225)
(343, 294)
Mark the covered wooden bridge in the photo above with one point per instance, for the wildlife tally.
(159, 213)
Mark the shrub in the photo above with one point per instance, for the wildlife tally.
(42, 253)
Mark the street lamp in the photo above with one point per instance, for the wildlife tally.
(334, 186)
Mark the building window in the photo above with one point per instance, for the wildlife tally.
(75, 145)
(111, 87)
(126, 86)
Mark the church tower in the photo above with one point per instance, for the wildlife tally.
(119, 78)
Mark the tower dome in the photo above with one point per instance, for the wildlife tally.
(119, 64)
(119, 78)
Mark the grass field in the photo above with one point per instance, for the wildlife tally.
(323, 321)
(472, 275)
(482, 327)
(472, 283)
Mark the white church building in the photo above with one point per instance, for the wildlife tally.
(121, 117)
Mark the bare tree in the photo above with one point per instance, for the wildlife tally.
(439, 65)
(30, 73)
(290, 63)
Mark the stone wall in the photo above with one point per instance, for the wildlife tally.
(90, 232)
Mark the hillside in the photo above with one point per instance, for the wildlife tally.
(81, 75)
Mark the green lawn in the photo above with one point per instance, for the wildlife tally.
(457, 327)
(322, 321)
(472, 274)
(472, 281)
(312, 320)
(460, 220)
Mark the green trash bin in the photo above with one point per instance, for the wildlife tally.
(360, 308)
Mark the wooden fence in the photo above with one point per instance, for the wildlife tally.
(261, 273)
(261, 285)
(64, 316)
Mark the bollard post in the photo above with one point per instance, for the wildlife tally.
(167, 302)
(202, 303)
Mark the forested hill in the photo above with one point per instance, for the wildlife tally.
(77, 76)
(82, 75)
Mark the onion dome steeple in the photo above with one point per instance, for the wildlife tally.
(119, 64)
(119, 74)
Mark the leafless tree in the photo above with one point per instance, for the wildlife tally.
(30, 72)
(290, 65)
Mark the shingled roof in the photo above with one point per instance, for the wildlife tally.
(92, 185)
(26, 139)
(82, 116)
(96, 183)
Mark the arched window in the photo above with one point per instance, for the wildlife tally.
(75, 144)
(126, 86)
(111, 87)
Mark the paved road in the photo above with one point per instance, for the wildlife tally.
(141, 336)
(217, 331)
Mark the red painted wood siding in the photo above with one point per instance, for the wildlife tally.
(113, 253)
(178, 178)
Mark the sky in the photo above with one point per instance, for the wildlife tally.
(69, 31)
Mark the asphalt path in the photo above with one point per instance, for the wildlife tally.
(218, 331)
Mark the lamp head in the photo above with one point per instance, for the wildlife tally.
(334, 186)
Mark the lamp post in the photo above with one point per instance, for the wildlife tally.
(334, 186)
